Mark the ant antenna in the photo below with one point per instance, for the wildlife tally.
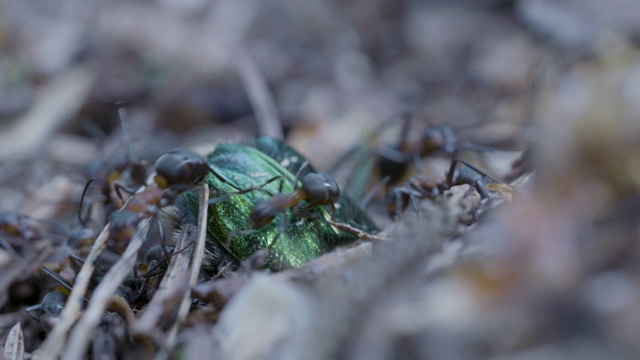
(124, 123)
(450, 174)
(84, 192)
(298, 175)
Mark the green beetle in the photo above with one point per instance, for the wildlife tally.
(244, 166)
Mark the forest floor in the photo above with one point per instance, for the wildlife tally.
(535, 255)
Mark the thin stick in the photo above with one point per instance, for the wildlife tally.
(259, 96)
(183, 311)
(81, 334)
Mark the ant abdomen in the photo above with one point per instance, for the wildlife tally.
(263, 212)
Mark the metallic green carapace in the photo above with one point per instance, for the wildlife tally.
(246, 166)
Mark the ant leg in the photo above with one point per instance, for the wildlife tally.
(219, 177)
(76, 262)
(84, 192)
(476, 183)
(275, 238)
(226, 196)
(406, 126)
(59, 279)
(367, 198)
(450, 175)
(283, 230)
(391, 154)
(233, 234)
(163, 244)
(32, 309)
(119, 187)
(154, 270)
(298, 175)
(417, 162)
(405, 119)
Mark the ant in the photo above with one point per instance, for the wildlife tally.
(317, 189)
(122, 171)
(176, 171)
(28, 229)
(434, 139)
(429, 187)
(148, 273)
(53, 302)
(392, 161)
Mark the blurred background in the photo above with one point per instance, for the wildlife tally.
(552, 274)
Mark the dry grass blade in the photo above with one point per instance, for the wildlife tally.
(14, 346)
(195, 270)
(57, 102)
(259, 95)
(53, 345)
(176, 273)
(81, 334)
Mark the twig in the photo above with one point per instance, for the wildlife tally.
(195, 270)
(259, 96)
(357, 232)
(81, 334)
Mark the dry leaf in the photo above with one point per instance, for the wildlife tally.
(14, 346)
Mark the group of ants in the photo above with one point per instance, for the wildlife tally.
(178, 171)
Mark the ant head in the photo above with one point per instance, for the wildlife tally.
(262, 213)
(320, 189)
(181, 167)
(53, 303)
(438, 138)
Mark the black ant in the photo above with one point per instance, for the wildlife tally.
(148, 274)
(317, 189)
(124, 171)
(49, 308)
(434, 139)
(393, 160)
(26, 228)
(53, 302)
(429, 187)
(176, 171)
